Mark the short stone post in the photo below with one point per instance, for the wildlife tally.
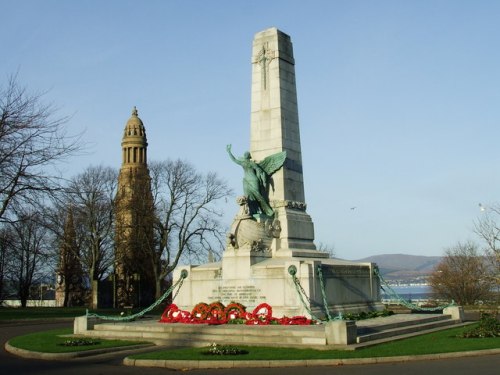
(81, 325)
(341, 332)
(456, 312)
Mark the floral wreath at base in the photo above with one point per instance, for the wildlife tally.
(234, 313)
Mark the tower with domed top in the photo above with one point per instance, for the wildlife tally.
(134, 220)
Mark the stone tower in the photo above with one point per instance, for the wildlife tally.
(134, 220)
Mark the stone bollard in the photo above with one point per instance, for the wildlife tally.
(341, 332)
(456, 312)
(81, 325)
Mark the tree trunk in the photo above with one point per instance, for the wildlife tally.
(158, 289)
(23, 297)
(95, 294)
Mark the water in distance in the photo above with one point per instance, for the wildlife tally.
(409, 292)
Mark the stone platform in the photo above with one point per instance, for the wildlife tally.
(333, 335)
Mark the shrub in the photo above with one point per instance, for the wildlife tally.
(367, 315)
(488, 326)
(216, 349)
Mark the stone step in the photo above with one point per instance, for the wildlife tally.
(403, 330)
(202, 335)
(378, 324)
(368, 332)
(202, 340)
(205, 334)
(224, 330)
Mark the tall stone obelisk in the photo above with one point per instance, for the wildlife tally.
(275, 128)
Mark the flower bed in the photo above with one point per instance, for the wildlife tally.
(234, 313)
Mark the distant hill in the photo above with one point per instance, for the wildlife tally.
(402, 266)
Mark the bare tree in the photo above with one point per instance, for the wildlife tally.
(462, 275)
(32, 143)
(29, 255)
(5, 249)
(327, 248)
(90, 194)
(187, 216)
(487, 227)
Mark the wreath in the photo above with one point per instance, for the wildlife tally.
(263, 312)
(261, 315)
(173, 314)
(295, 320)
(234, 310)
(216, 313)
(167, 316)
(200, 312)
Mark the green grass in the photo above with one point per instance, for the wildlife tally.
(432, 343)
(19, 313)
(50, 342)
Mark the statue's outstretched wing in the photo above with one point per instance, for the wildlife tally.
(273, 162)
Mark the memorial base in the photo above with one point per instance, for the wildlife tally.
(252, 279)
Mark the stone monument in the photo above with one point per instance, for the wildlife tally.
(272, 234)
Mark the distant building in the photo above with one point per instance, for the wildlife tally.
(69, 277)
(134, 272)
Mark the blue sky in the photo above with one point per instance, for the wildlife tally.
(398, 100)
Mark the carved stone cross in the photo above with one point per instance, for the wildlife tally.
(264, 58)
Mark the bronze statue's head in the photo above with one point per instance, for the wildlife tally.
(247, 155)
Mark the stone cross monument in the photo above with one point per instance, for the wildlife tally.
(272, 236)
(274, 132)
(275, 128)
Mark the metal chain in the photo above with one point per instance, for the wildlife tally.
(179, 283)
(292, 270)
(323, 292)
(178, 289)
(404, 302)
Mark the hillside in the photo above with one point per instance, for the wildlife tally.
(402, 266)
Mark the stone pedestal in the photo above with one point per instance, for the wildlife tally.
(456, 312)
(341, 332)
(82, 324)
(349, 287)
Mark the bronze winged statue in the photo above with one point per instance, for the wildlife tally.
(257, 179)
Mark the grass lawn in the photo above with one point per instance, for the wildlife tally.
(17, 313)
(432, 343)
(50, 342)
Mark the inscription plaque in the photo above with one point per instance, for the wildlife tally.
(245, 294)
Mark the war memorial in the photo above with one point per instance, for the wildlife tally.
(272, 235)
(270, 257)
